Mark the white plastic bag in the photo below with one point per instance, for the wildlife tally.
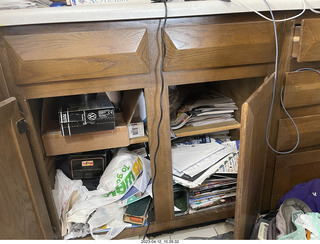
(112, 216)
(304, 221)
(121, 173)
(63, 189)
(117, 179)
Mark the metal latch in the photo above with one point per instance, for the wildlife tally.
(22, 126)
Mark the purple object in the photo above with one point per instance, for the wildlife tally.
(307, 192)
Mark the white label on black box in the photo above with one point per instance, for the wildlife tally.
(105, 113)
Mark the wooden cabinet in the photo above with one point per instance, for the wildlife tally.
(234, 54)
(301, 98)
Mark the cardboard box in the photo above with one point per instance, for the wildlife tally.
(56, 144)
(85, 113)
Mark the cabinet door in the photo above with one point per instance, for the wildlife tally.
(252, 154)
(22, 208)
(293, 169)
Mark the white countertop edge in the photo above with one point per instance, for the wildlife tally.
(126, 11)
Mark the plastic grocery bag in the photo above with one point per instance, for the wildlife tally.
(63, 189)
(121, 173)
(117, 179)
(65, 193)
(112, 216)
(309, 221)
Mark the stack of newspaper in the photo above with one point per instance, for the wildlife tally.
(215, 192)
(208, 108)
(17, 4)
(196, 160)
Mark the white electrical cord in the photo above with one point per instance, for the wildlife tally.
(305, 5)
(265, 17)
(273, 93)
(313, 10)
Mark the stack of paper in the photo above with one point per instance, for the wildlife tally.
(192, 164)
(215, 192)
(16, 4)
(209, 108)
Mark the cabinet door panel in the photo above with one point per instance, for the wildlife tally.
(309, 131)
(252, 155)
(41, 58)
(22, 207)
(218, 45)
(301, 89)
(309, 49)
(294, 169)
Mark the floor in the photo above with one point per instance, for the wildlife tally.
(203, 231)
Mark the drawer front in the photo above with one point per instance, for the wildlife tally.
(218, 45)
(293, 169)
(41, 58)
(309, 131)
(309, 48)
(302, 89)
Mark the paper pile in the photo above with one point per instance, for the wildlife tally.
(209, 108)
(16, 4)
(194, 163)
(215, 192)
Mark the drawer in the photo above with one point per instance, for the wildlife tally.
(293, 169)
(301, 89)
(309, 47)
(42, 58)
(218, 45)
(309, 130)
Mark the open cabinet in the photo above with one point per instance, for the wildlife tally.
(232, 54)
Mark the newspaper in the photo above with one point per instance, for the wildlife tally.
(19, 4)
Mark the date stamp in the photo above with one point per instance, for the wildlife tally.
(160, 241)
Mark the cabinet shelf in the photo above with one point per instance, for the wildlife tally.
(140, 139)
(205, 216)
(205, 129)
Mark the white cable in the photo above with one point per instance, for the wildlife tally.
(273, 93)
(312, 9)
(303, 69)
(265, 17)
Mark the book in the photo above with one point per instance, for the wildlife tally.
(134, 195)
(106, 228)
(136, 212)
(217, 201)
(222, 203)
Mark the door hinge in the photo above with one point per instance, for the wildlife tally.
(22, 126)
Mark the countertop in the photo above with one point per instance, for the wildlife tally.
(126, 11)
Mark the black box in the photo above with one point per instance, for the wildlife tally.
(88, 165)
(86, 113)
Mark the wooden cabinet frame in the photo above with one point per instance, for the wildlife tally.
(245, 73)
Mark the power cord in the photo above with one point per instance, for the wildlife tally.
(274, 84)
(272, 19)
(305, 4)
(161, 109)
(273, 92)
(303, 69)
(313, 10)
